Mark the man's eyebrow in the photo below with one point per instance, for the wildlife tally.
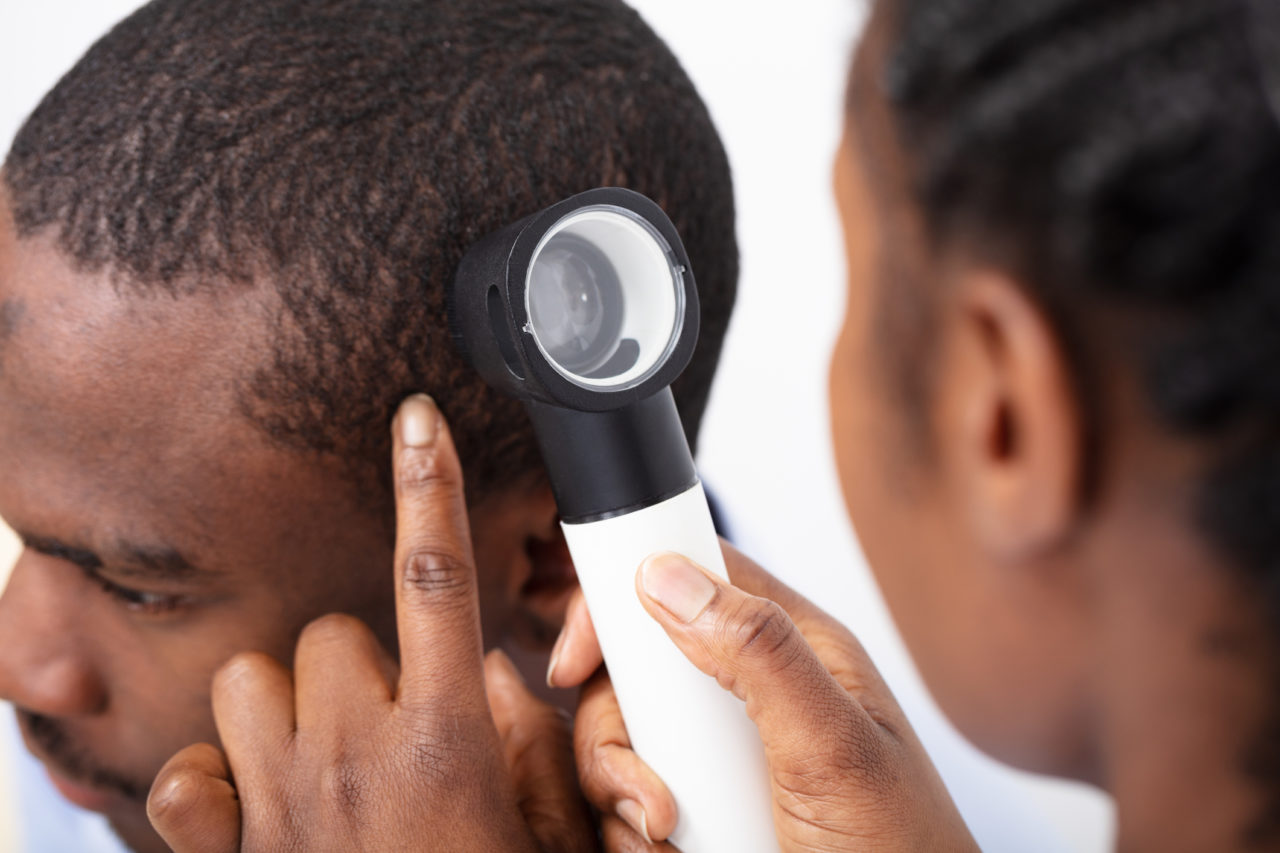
(81, 557)
(152, 561)
(129, 559)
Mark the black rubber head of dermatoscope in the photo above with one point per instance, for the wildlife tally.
(489, 311)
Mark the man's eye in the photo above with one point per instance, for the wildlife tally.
(135, 599)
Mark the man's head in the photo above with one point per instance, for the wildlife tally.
(1055, 397)
(224, 243)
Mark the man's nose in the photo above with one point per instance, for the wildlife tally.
(42, 665)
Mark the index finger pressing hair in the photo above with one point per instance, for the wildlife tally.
(437, 604)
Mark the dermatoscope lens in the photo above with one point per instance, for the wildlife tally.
(575, 303)
(605, 297)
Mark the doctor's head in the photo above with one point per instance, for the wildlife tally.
(1055, 398)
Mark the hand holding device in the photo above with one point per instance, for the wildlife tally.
(587, 312)
(848, 771)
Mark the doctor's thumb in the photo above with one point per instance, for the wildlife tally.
(754, 649)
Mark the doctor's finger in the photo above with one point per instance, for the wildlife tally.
(193, 805)
(614, 778)
(577, 652)
(340, 672)
(753, 648)
(833, 644)
(537, 747)
(437, 603)
(253, 708)
(619, 837)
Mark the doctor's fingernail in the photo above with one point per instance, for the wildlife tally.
(419, 421)
(678, 585)
(633, 813)
(555, 656)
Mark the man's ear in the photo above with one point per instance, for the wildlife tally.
(542, 575)
(526, 573)
(1010, 421)
(551, 570)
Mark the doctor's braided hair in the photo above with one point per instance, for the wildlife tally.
(1122, 159)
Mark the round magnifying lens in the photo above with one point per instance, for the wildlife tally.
(605, 297)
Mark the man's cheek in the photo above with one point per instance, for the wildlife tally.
(167, 689)
(159, 712)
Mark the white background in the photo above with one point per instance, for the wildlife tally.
(772, 75)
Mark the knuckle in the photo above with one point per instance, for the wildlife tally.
(847, 756)
(759, 630)
(435, 571)
(241, 667)
(345, 785)
(332, 629)
(597, 724)
(859, 750)
(540, 747)
(866, 754)
(598, 775)
(591, 773)
(442, 756)
(419, 468)
(175, 792)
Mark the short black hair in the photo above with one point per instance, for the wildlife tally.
(347, 153)
(1122, 159)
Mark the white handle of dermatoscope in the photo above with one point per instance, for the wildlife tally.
(693, 733)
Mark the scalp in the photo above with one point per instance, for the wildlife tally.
(344, 154)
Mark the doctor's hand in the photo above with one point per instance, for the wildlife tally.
(450, 753)
(848, 771)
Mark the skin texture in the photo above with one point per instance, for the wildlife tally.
(121, 443)
(479, 764)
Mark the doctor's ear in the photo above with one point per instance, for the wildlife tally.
(1009, 418)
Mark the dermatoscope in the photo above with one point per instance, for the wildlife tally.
(587, 311)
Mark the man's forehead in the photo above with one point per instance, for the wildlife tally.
(121, 430)
(90, 335)
(105, 389)
(11, 313)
